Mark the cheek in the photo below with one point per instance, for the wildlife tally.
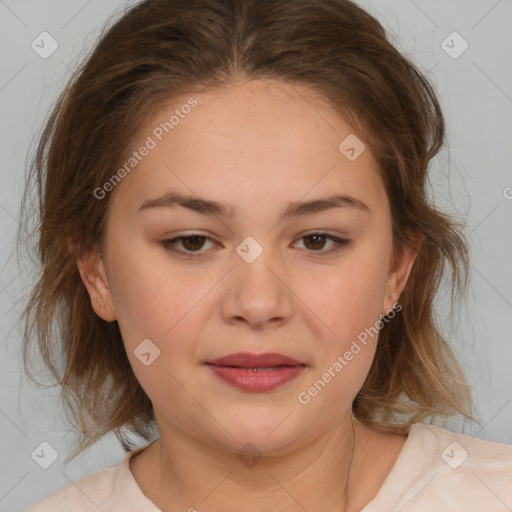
(154, 302)
(349, 298)
(151, 296)
(349, 304)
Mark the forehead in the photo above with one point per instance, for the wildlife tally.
(268, 140)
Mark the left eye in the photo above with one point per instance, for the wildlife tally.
(320, 239)
(195, 242)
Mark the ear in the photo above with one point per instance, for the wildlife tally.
(92, 271)
(400, 269)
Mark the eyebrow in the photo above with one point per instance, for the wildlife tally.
(298, 208)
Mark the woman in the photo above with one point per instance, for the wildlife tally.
(237, 242)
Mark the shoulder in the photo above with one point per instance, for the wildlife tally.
(110, 490)
(84, 495)
(448, 449)
(442, 470)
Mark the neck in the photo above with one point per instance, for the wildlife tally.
(189, 474)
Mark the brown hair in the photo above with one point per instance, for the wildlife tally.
(164, 49)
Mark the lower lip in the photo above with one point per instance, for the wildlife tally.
(257, 381)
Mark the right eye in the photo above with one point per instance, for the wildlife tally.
(192, 243)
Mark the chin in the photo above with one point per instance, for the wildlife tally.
(270, 436)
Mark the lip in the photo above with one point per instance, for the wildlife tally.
(248, 360)
(241, 370)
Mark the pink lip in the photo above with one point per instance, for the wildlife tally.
(247, 360)
(239, 370)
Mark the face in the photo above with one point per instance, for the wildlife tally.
(261, 274)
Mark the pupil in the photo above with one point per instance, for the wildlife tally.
(194, 242)
(318, 239)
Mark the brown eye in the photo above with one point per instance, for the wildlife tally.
(189, 244)
(317, 241)
(193, 243)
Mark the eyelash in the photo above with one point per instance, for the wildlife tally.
(338, 244)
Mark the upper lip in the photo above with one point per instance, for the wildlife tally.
(247, 360)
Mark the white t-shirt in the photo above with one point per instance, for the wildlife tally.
(435, 471)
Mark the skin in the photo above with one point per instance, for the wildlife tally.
(256, 146)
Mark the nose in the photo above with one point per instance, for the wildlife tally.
(258, 293)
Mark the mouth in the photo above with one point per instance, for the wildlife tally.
(257, 368)
(248, 360)
(256, 372)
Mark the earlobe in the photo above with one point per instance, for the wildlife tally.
(92, 271)
(400, 271)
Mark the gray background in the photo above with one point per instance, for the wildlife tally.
(471, 178)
